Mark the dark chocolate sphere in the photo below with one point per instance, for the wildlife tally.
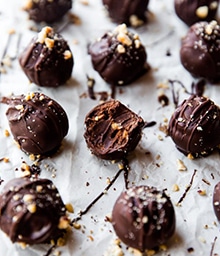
(47, 60)
(143, 217)
(32, 211)
(119, 57)
(46, 10)
(195, 126)
(37, 122)
(203, 43)
(216, 200)
(191, 12)
(112, 130)
(131, 12)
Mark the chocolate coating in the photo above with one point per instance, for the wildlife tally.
(216, 200)
(32, 211)
(194, 11)
(195, 125)
(46, 10)
(37, 123)
(203, 43)
(143, 217)
(129, 12)
(119, 57)
(112, 130)
(47, 60)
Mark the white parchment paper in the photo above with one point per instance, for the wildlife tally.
(80, 176)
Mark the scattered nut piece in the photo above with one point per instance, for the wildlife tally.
(181, 166)
(69, 208)
(175, 188)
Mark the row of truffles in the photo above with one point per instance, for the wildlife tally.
(132, 13)
(37, 122)
(119, 56)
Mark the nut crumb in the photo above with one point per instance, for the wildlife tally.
(181, 166)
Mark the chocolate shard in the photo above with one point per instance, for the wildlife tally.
(119, 56)
(47, 60)
(112, 130)
(195, 125)
(37, 122)
(132, 13)
(32, 211)
(203, 43)
(191, 12)
(47, 11)
(143, 217)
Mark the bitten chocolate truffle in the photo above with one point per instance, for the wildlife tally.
(203, 43)
(32, 211)
(47, 60)
(119, 57)
(129, 12)
(143, 217)
(37, 122)
(194, 126)
(112, 130)
(194, 11)
(216, 200)
(46, 10)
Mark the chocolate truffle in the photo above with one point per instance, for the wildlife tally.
(216, 200)
(203, 43)
(132, 12)
(191, 12)
(46, 10)
(32, 211)
(47, 60)
(112, 130)
(37, 123)
(195, 125)
(143, 217)
(119, 57)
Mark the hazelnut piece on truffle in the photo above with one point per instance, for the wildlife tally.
(143, 217)
(47, 60)
(112, 130)
(37, 122)
(32, 211)
(119, 56)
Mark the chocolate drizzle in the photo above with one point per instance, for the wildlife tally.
(83, 212)
(187, 189)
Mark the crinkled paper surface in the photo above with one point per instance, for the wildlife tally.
(80, 176)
